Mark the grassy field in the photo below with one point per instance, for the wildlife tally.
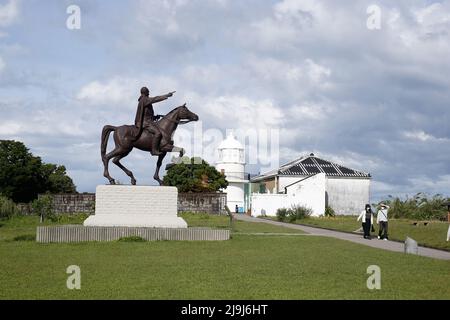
(432, 235)
(245, 267)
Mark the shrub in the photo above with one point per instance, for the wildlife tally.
(282, 214)
(418, 207)
(25, 237)
(7, 208)
(43, 208)
(132, 239)
(297, 212)
(329, 212)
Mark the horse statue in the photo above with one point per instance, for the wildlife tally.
(125, 140)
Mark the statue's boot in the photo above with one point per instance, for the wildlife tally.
(155, 147)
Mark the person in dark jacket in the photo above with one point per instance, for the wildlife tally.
(366, 218)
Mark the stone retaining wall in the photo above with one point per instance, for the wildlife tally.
(213, 203)
(73, 203)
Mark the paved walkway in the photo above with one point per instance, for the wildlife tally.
(356, 238)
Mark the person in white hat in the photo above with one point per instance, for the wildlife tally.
(382, 220)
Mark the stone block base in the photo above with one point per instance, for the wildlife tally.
(135, 206)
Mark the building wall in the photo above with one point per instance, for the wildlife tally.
(235, 195)
(234, 170)
(267, 203)
(308, 193)
(285, 181)
(348, 196)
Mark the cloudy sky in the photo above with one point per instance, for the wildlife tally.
(377, 100)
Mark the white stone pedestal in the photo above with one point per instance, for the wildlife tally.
(135, 206)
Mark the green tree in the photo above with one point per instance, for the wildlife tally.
(57, 180)
(23, 176)
(192, 176)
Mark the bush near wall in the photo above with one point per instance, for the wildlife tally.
(329, 212)
(418, 207)
(42, 207)
(7, 207)
(294, 213)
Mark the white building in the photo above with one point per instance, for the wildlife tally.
(232, 163)
(308, 192)
(311, 182)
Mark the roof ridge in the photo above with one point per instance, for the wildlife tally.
(345, 167)
(358, 171)
(292, 163)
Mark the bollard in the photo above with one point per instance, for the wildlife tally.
(411, 246)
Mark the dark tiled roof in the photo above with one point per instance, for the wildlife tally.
(312, 165)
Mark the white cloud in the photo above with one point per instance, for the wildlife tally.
(9, 13)
(433, 19)
(240, 112)
(307, 74)
(311, 69)
(422, 136)
(431, 185)
(9, 128)
(48, 127)
(293, 9)
(122, 90)
(316, 72)
(114, 91)
(310, 112)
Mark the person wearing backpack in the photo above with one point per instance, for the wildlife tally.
(382, 220)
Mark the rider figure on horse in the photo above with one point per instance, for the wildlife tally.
(145, 118)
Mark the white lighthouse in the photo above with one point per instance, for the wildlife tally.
(232, 163)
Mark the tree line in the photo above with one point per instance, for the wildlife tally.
(23, 176)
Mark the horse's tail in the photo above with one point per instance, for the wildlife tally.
(105, 136)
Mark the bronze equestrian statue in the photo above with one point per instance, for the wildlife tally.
(150, 133)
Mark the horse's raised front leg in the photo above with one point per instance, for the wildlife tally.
(178, 149)
(158, 166)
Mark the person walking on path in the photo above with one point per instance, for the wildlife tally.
(382, 220)
(366, 218)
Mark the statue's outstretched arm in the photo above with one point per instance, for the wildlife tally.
(161, 98)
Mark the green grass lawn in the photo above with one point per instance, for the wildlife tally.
(245, 267)
(433, 235)
(214, 221)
